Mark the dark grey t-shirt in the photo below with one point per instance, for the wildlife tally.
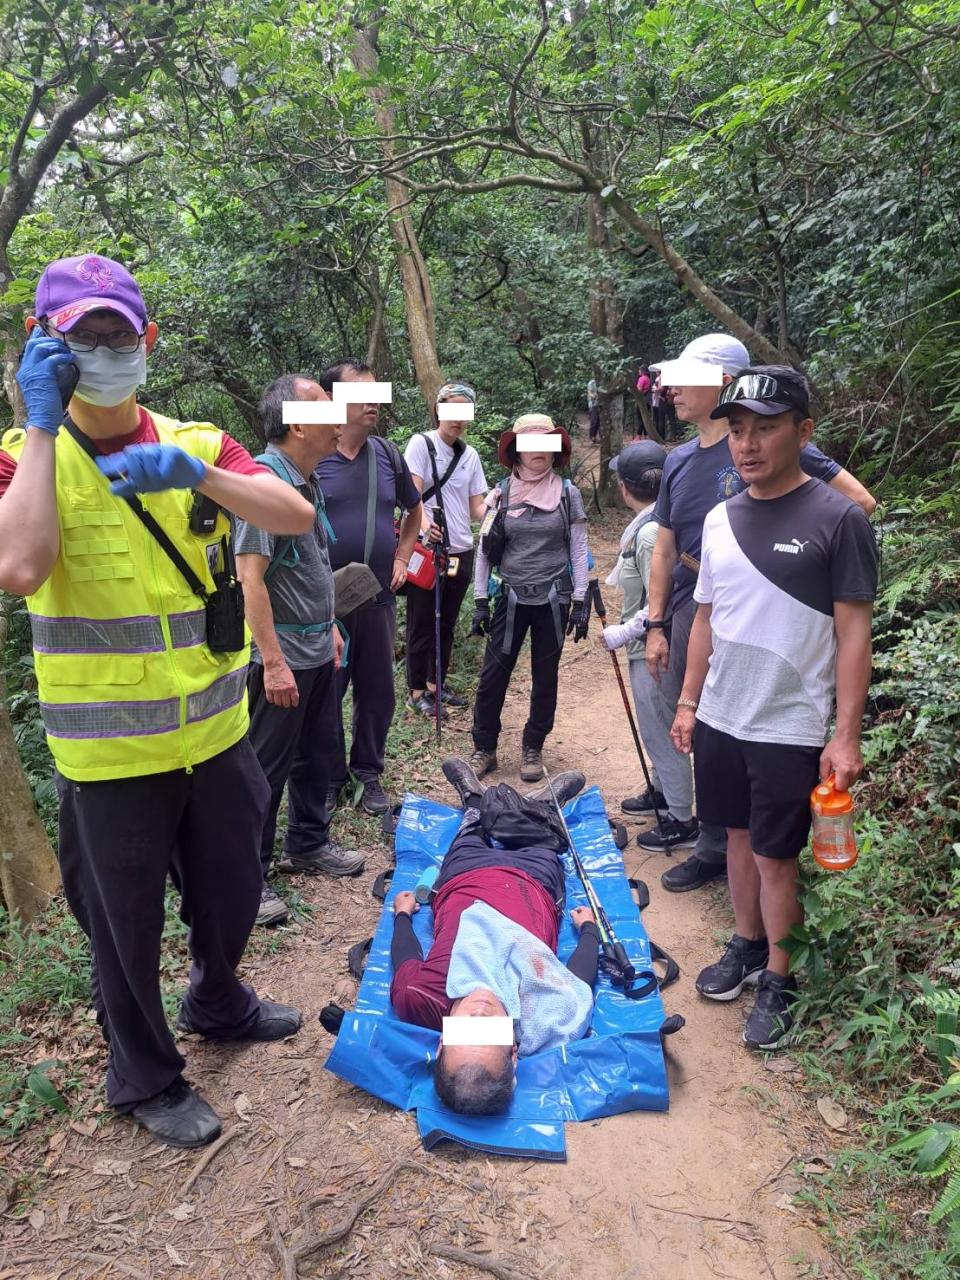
(301, 593)
(536, 552)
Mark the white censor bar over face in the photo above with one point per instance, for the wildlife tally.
(690, 373)
(363, 393)
(531, 442)
(324, 412)
(455, 412)
(477, 1031)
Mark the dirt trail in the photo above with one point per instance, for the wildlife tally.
(698, 1192)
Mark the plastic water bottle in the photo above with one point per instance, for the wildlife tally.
(834, 844)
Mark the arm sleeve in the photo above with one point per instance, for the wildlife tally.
(248, 540)
(646, 540)
(7, 469)
(816, 463)
(703, 591)
(583, 963)
(578, 558)
(478, 481)
(405, 945)
(234, 457)
(481, 573)
(661, 513)
(416, 457)
(854, 558)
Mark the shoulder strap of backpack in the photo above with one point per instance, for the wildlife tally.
(396, 461)
(459, 449)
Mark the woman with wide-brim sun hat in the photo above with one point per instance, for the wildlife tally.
(535, 536)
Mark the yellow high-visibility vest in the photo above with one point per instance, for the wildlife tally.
(126, 682)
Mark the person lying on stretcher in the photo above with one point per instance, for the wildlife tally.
(496, 913)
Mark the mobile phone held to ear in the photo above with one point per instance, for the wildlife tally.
(68, 375)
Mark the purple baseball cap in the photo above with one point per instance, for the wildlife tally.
(70, 287)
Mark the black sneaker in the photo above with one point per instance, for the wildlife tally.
(178, 1116)
(274, 1022)
(483, 761)
(692, 874)
(770, 1020)
(461, 776)
(426, 705)
(531, 764)
(451, 699)
(742, 964)
(670, 834)
(273, 909)
(333, 797)
(330, 859)
(373, 800)
(566, 785)
(645, 803)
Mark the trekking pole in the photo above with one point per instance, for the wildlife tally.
(438, 566)
(602, 615)
(616, 960)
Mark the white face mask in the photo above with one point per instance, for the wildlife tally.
(107, 377)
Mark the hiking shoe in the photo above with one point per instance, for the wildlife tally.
(645, 803)
(692, 874)
(178, 1116)
(273, 909)
(426, 705)
(273, 1022)
(483, 762)
(463, 780)
(329, 859)
(451, 699)
(531, 764)
(670, 834)
(742, 964)
(566, 785)
(373, 799)
(770, 1020)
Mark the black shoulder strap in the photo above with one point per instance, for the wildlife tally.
(459, 449)
(145, 518)
(396, 461)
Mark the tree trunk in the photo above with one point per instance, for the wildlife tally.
(378, 340)
(533, 337)
(606, 323)
(417, 294)
(28, 867)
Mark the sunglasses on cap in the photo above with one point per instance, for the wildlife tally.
(777, 394)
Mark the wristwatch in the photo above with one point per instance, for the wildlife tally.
(653, 625)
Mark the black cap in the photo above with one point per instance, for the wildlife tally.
(786, 390)
(631, 462)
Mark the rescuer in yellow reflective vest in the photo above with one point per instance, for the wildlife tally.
(113, 525)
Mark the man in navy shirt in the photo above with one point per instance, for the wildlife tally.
(362, 521)
(696, 477)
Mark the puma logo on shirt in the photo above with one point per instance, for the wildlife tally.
(791, 548)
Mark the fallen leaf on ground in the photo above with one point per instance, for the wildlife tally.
(296, 1162)
(86, 1128)
(112, 1168)
(174, 1256)
(242, 1105)
(36, 1219)
(331, 1190)
(781, 1066)
(184, 1211)
(784, 1202)
(817, 1165)
(832, 1113)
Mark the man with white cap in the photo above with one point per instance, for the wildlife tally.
(697, 476)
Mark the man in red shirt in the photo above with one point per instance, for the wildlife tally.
(506, 855)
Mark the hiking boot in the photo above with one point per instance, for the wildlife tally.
(531, 764)
(463, 780)
(692, 874)
(426, 705)
(451, 699)
(670, 834)
(329, 859)
(742, 964)
(770, 1020)
(178, 1116)
(483, 762)
(273, 909)
(373, 799)
(273, 1022)
(645, 803)
(566, 785)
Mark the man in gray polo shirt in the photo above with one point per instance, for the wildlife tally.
(289, 596)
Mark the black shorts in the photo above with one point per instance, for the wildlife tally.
(763, 787)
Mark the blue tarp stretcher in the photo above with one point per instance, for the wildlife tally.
(618, 1067)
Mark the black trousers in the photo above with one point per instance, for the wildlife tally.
(119, 840)
(545, 650)
(421, 624)
(369, 672)
(290, 745)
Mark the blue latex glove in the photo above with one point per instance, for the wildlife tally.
(37, 376)
(151, 468)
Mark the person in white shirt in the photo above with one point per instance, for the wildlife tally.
(463, 487)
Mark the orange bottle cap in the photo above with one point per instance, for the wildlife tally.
(831, 802)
